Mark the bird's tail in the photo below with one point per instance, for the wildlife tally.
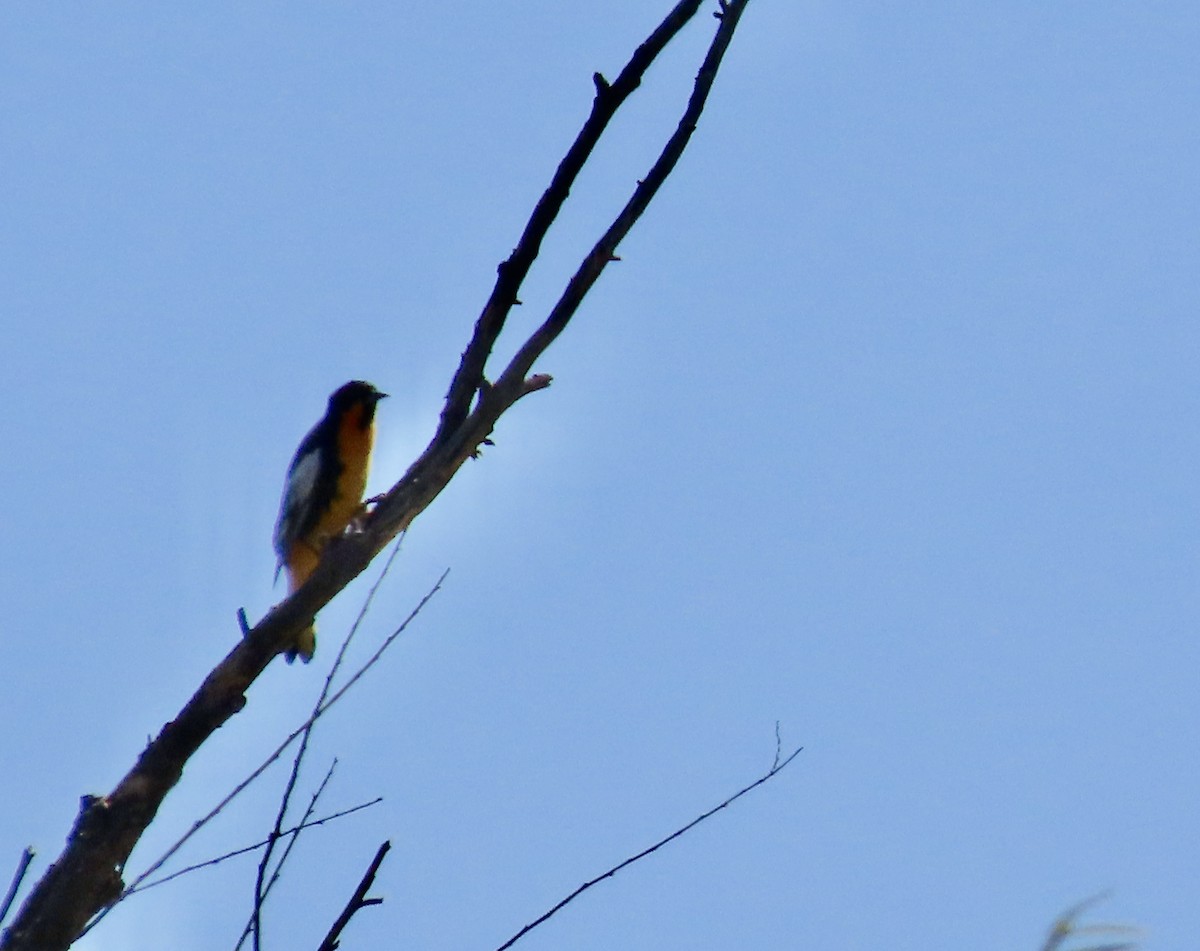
(301, 562)
(305, 646)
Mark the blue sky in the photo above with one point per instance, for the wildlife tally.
(883, 428)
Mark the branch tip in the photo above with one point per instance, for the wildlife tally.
(18, 877)
(539, 381)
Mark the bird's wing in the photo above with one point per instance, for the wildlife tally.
(299, 497)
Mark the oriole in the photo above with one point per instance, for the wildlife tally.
(324, 489)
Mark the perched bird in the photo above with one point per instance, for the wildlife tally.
(324, 489)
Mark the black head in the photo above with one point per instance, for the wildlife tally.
(354, 392)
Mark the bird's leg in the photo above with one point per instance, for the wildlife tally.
(358, 523)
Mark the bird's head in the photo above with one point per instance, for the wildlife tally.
(356, 392)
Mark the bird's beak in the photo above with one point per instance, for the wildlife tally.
(380, 396)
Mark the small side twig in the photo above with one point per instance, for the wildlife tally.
(18, 877)
(357, 901)
(773, 771)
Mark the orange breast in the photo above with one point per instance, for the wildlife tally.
(354, 450)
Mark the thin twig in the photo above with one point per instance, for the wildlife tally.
(217, 860)
(388, 641)
(357, 901)
(261, 889)
(774, 770)
(18, 877)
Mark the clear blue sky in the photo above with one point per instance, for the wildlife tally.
(884, 428)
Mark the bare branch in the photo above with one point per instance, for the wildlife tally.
(357, 901)
(510, 274)
(604, 250)
(774, 770)
(261, 888)
(311, 824)
(15, 886)
(254, 926)
(266, 763)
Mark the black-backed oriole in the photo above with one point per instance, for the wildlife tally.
(324, 489)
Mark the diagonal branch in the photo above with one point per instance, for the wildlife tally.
(512, 272)
(769, 774)
(263, 884)
(278, 752)
(308, 824)
(358, 901)
(27, 855)
(261, 890)
(604, 250)
(86, 877)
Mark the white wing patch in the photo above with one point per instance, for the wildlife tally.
(297, 496)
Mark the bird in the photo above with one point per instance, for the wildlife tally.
(324, 490)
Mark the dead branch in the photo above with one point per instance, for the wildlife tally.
(217, 860)
(511, 273)
(773, 771)
(87, 876)
(263, 884)
(27, 855)
(357, 901)
(241, 787)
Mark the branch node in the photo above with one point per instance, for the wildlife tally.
(602, 84)
(242, 622)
